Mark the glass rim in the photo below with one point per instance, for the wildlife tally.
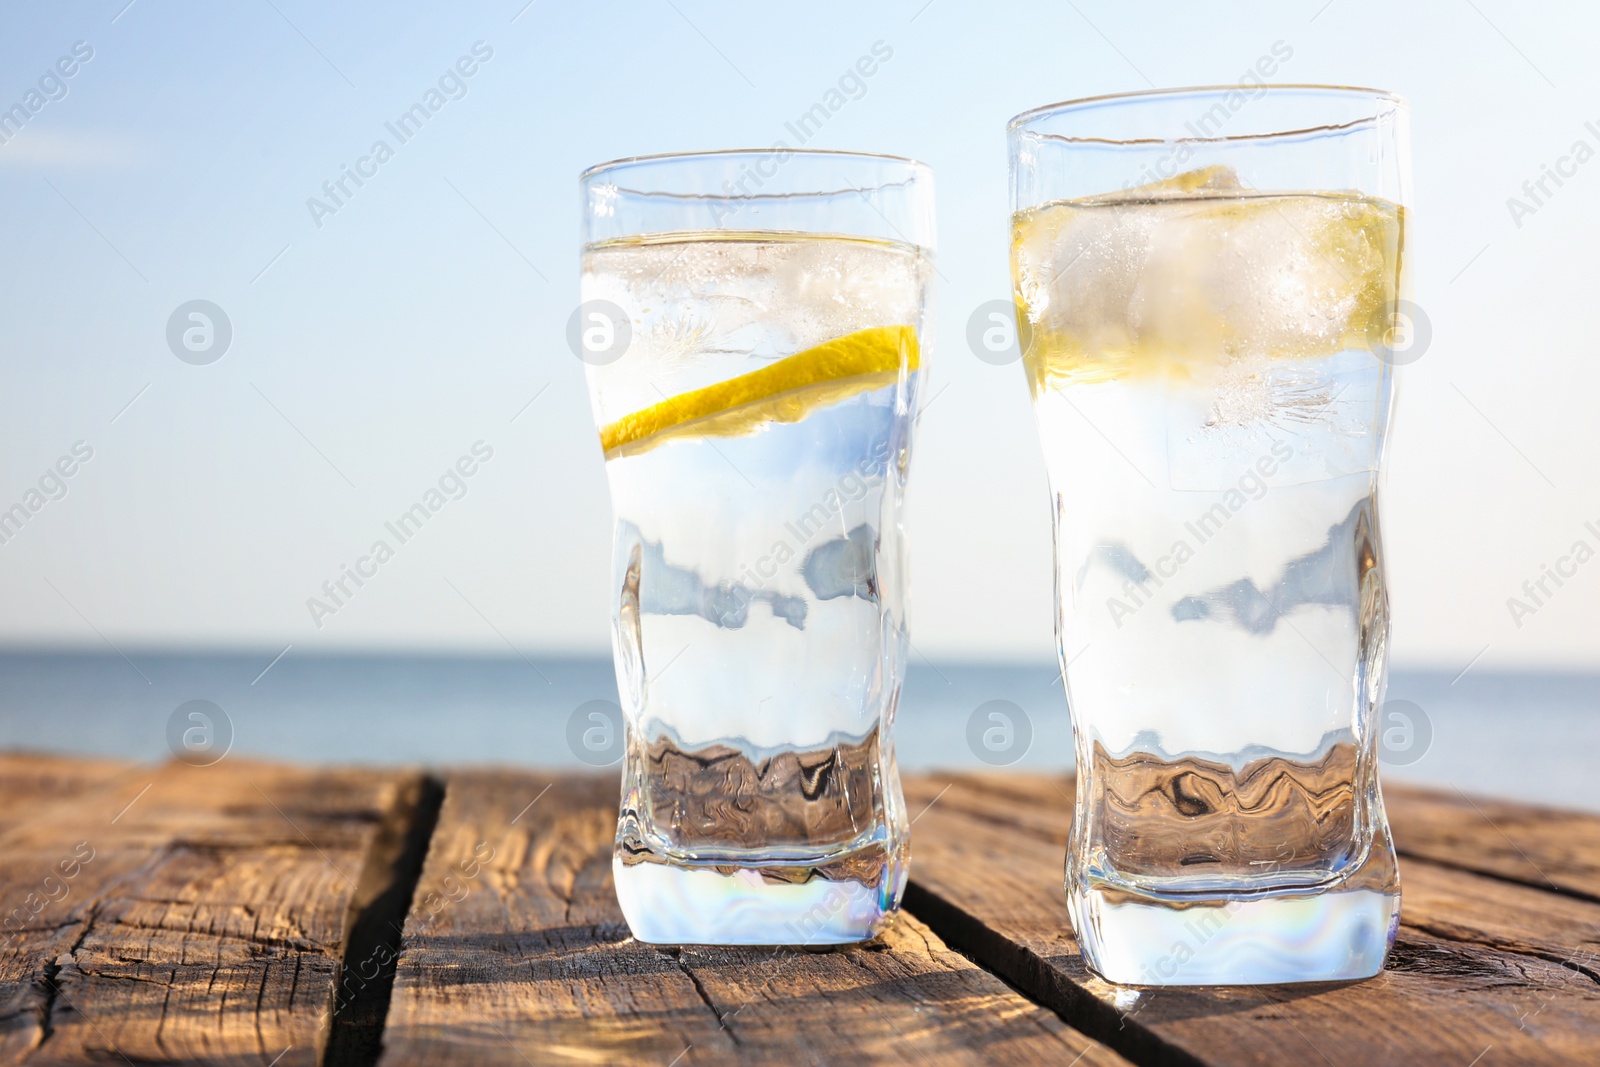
(1087, 103)
(721, 153)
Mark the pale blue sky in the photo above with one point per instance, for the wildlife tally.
(371, 352)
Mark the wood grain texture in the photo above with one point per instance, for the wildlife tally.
(1482, 967)
(186, 915)
(516, 953)
(201, 916)
(1541, 847)
(32, 783)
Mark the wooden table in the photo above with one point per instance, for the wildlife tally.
(250, 913)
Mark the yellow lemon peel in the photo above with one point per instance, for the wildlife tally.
(786, 391)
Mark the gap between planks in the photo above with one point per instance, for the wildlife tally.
(362, 980)
(1450, 942)
(533, 964)
(394, 865)
(364, 983)
(1040, 983)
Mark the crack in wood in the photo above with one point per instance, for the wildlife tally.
(154, 929)
(364, 979)
(51, 978)
(1510, 948)
(302, 944)
(722, 1018)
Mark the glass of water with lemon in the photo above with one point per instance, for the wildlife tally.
(752, 323)
(1208, 281)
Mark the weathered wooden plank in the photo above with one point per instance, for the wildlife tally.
(1542, 847)
(516, 953)
(1480, 965)
(200, 916)
(31, 783)
(1545, 848)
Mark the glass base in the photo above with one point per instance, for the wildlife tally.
(667, 904)
(1330, 936)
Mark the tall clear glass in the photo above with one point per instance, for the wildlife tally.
(753, 323)
(1207, 282)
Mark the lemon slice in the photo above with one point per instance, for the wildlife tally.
(786, 391)
(1202, 180)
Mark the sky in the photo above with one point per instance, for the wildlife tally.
(377, 338)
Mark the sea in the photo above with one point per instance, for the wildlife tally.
(1531, 736)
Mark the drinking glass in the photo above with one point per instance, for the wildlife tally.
(1207, 282)
(752, 324)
